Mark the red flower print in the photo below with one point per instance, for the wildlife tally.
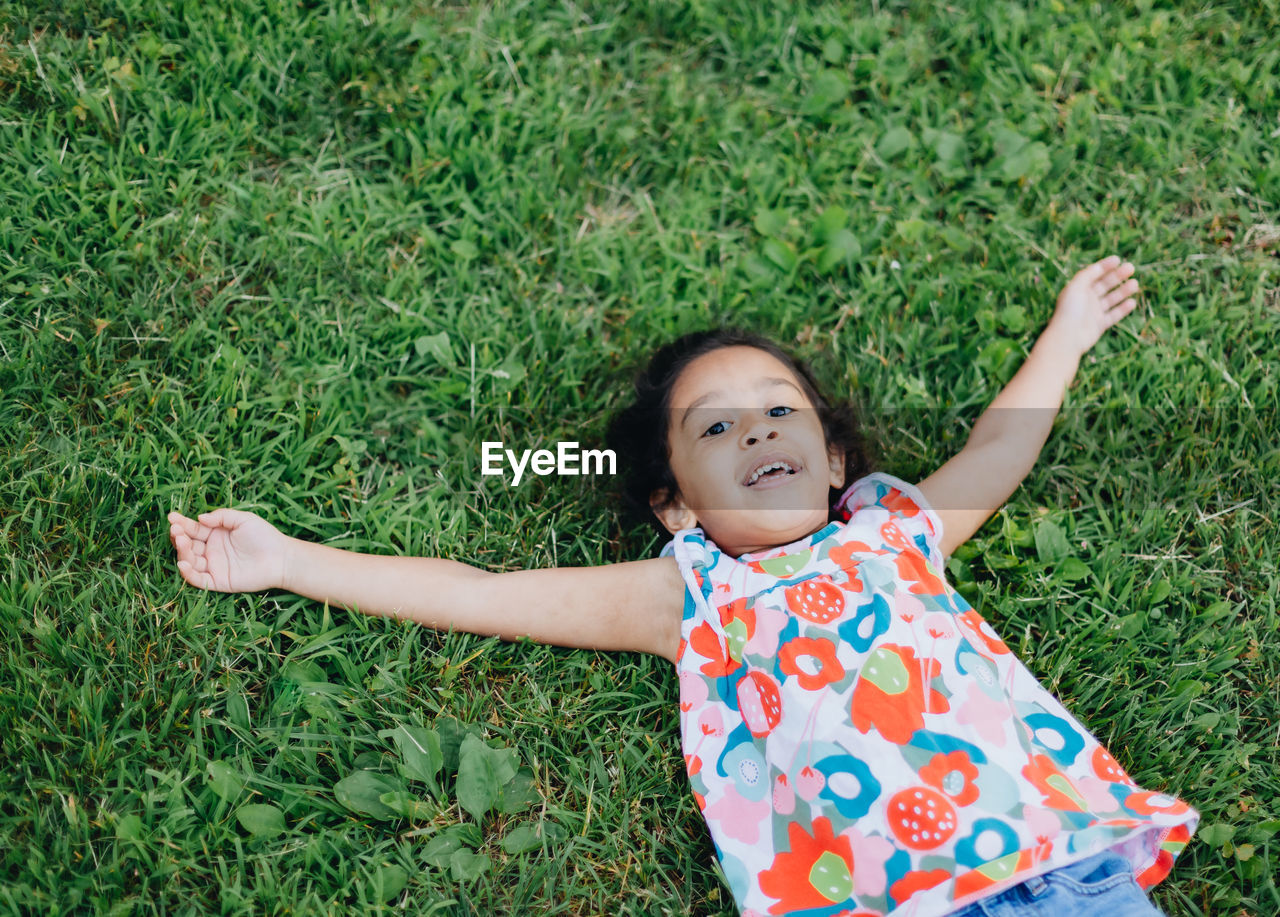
(816, 872)
(845, 557)
(692, 764)
(738, 611)
(983, 631)
(1053, 784)
(890, 693)
(821, 651)
(1149, 803)
(707, 644)
(917, 881)
(913, 567)
(1108, 768)
(954, 774)
(898, 503)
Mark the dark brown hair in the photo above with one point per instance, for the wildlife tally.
(638, 433)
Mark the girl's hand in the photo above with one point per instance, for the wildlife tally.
(1091, 302)
(229, 550)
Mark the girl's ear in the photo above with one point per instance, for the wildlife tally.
(835, 464)
(671, 511)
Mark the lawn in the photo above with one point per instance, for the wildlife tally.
(305, 257)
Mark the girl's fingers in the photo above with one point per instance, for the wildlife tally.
(1119, 312)
(194, 577)
(181, 523)
(1120, 294)
(1098, 268)
(1113, 278)
(225, 518)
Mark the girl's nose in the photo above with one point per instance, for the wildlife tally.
(753, 438)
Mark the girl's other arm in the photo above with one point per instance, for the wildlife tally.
(1006, 440)
(627, 606)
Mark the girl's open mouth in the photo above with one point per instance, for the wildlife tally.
(771, 472)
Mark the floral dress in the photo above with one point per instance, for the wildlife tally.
(861, 742)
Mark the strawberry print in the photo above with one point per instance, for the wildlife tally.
(816, 601)
(760, 703)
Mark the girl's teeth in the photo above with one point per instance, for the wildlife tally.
(775, 466)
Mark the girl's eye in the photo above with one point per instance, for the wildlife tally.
(716, 428)
(773, 412)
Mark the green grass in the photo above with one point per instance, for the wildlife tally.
(303, 258)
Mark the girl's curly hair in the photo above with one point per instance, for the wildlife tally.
(637, 434)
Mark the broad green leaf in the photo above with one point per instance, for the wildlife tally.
(1051, 542)
(362, 791)
(301, 671)
(518, 793)
(911, 230)
(780, 254)
(224, 779)
(510, 374)
(261, 820)
(444, 845)
(948, 147)
(451, 732)
(466, 865)
(238, 710)
(530, 836)
(843, 246)
(388, 881)
(409, 806)
(1031, 161)
(435, 346)
(896, 140)
(830, 88)
(420, 754)
(1007, 141)
(1216, 835)
(1073, 569)
(129, 828)
(482, 772)
(829, 222)
(1014, 318)
(464, 249)
(770, 222)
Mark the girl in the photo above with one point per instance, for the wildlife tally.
(858, 739)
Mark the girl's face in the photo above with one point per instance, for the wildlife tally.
(748, 453)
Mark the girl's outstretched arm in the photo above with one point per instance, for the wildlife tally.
(1008, 437)
(627, 606)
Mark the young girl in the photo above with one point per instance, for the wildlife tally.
(858, 739)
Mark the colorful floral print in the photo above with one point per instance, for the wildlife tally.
(860, 741)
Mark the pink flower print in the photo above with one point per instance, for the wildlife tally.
(1044, 826)
(809, 783)
(784, 797)
(986, 715)
(693, 691)
(1097, 794)
(939, 626)
(869, 856)
(738, 817)
(907, 606)
(769, 624)
(711, 722)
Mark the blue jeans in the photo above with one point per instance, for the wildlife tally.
(1103, 884)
